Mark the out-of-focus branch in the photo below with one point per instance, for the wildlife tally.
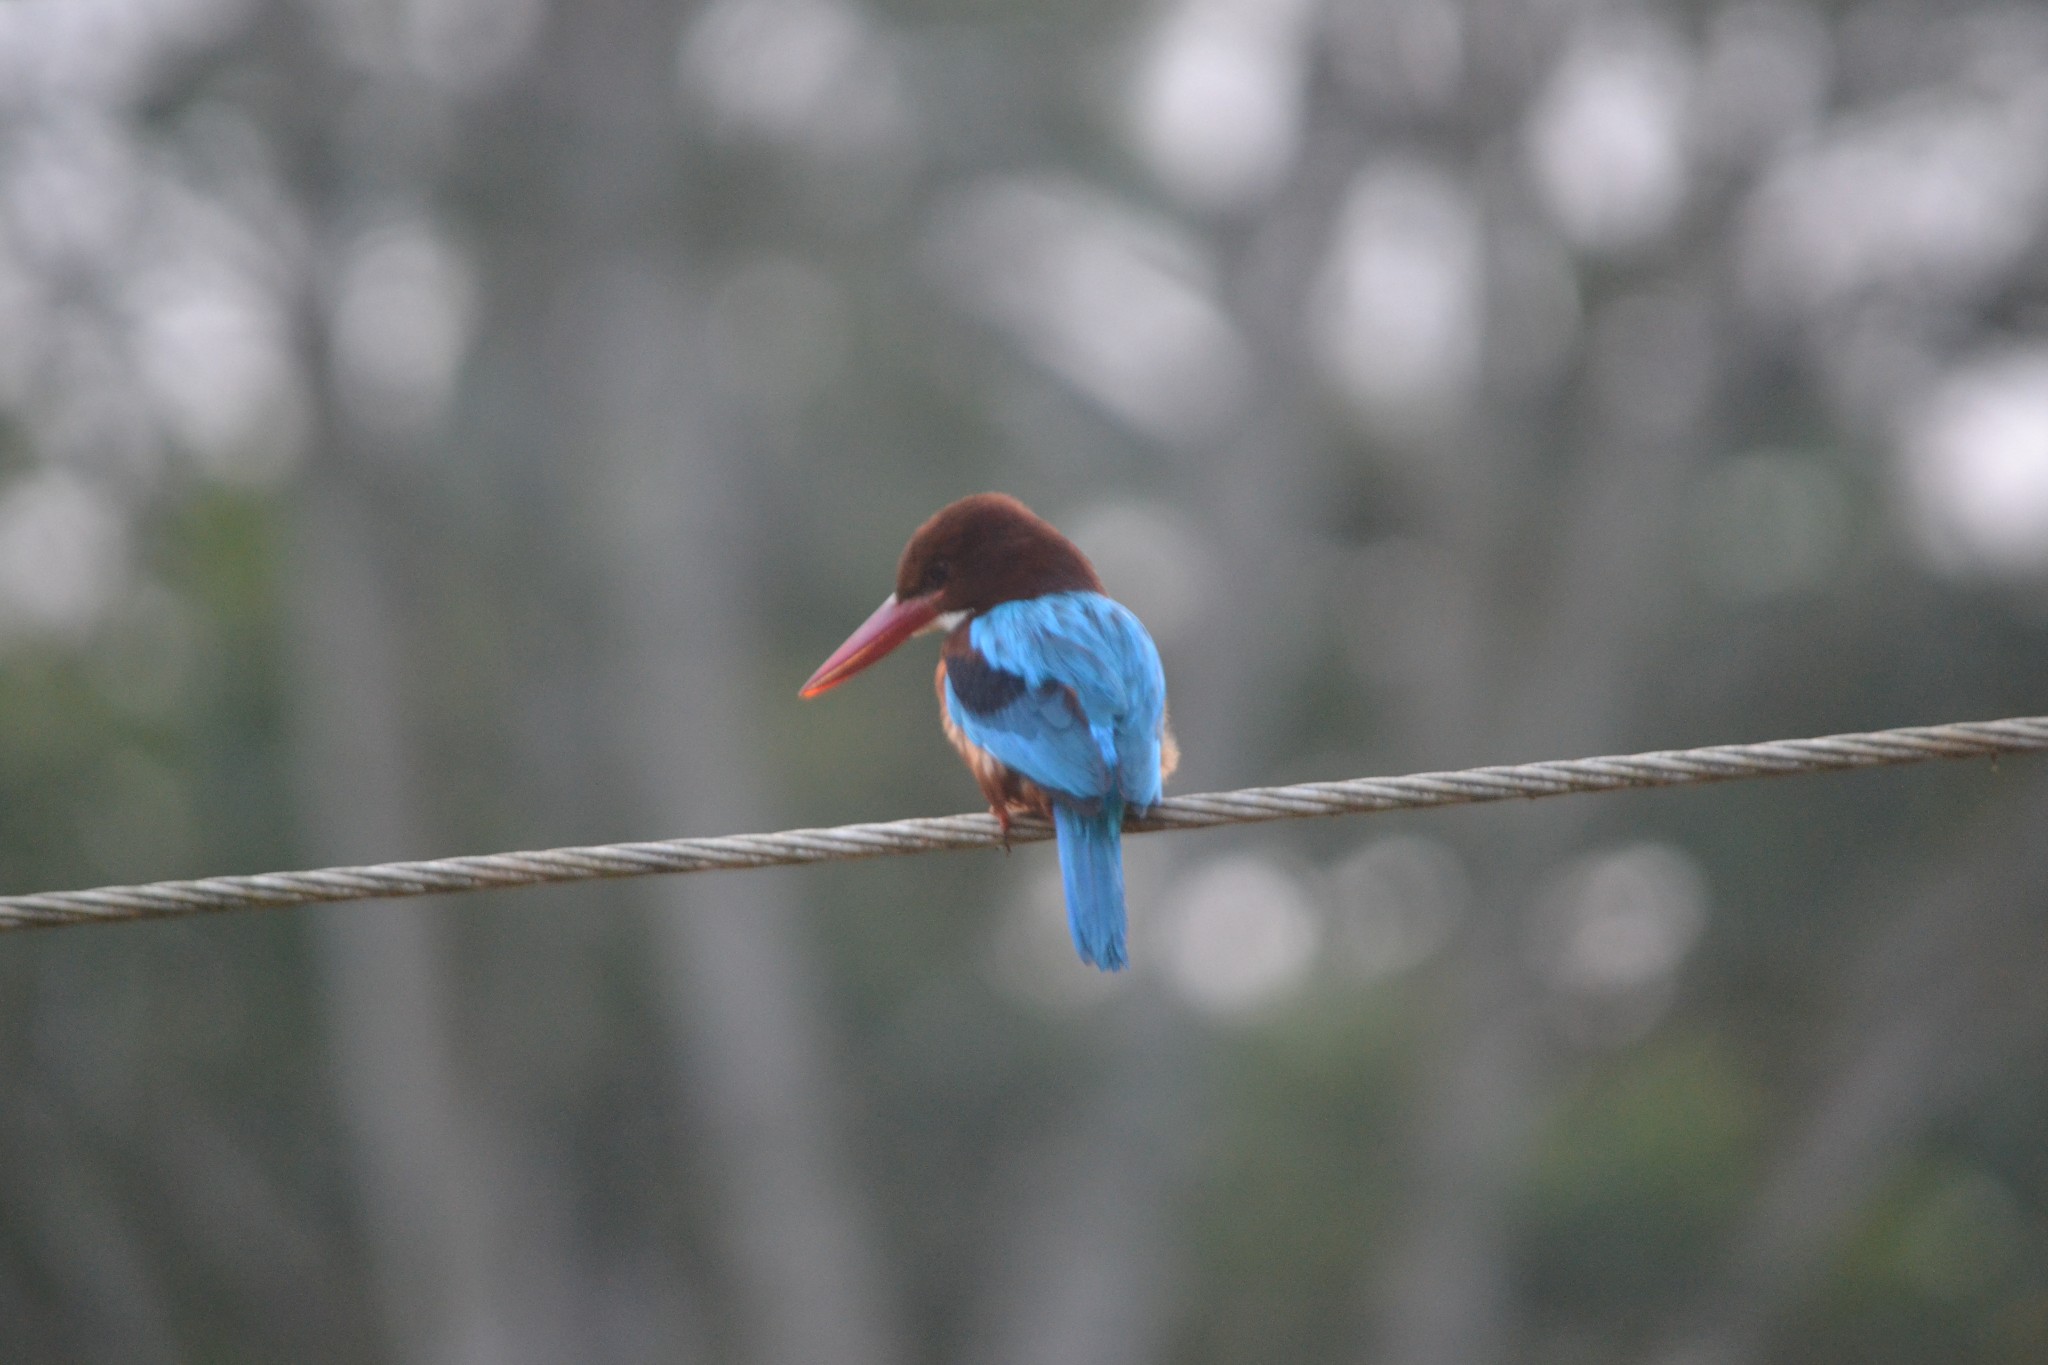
(1562, 679)
(1084, 1267)
(732, 979)
(431, 1181)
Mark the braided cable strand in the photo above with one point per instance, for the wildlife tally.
(1669, 768)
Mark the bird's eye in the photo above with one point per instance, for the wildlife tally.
(936, 574)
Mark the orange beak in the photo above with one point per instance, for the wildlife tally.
(892, 623)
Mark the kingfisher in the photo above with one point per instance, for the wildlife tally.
(1050, 691)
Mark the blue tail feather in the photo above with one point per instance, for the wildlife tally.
(1092, 866)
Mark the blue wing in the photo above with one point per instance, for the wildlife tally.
(1067, 691)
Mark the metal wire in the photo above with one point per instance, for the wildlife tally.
(1669, 768)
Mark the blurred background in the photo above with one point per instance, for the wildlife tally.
(434, 426)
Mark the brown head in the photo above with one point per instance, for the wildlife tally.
(972, 554)
(986, 549)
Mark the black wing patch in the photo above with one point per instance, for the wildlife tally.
(979, 686)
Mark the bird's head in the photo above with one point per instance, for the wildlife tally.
(972, 555)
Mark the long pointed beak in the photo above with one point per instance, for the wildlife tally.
(892, 624)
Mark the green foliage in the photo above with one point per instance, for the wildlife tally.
(1639, 1172)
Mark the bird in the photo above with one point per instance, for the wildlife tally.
(1050, 691)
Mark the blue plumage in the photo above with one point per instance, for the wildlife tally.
(1067, 692)
(1092, 872)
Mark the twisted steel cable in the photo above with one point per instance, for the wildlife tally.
(1666, 768)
